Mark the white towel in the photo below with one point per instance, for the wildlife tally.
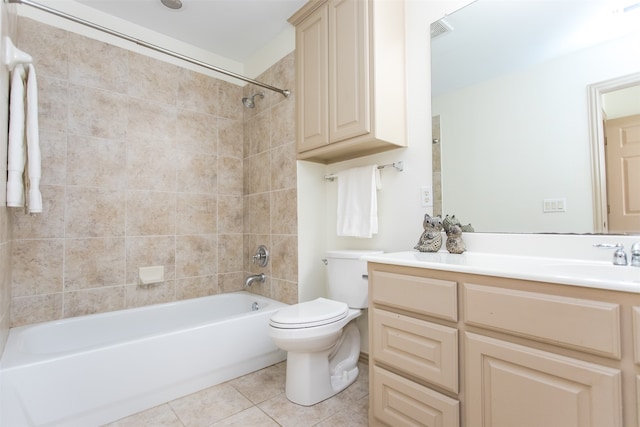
(16, 156)
(34, 166)
(358, 201)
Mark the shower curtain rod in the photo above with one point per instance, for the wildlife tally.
(284, 92)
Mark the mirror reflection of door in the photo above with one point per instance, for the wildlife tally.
(623, 173)
(622, 153)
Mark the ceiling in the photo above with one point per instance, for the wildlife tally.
(234, 29)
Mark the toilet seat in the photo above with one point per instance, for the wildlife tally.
(318, 312)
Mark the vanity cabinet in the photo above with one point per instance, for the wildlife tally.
(459, 349)
(350, 73)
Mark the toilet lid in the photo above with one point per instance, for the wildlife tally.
(320, 311)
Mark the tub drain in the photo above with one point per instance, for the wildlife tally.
(255, 306)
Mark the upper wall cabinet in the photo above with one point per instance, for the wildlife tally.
(351, 87)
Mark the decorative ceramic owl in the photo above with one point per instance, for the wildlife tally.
(455, 244)
(448, 221)
(431, 238)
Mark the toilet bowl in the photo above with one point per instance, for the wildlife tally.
(320, 336)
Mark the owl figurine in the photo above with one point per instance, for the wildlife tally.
(431, 238)
(455, 244)
(449, 221)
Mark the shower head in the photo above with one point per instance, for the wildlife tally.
(249, 101)
(172, 4)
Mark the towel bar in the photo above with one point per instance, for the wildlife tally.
(399, 166)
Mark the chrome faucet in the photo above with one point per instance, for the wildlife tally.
(619, 256)
(254, 278)
(635, 254)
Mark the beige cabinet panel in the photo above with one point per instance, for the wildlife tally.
(312, 57)
(349, 101)
(399, 402)
(636, 335)
(423, 295)
(586, 325)
(423, 349)
(511, 385)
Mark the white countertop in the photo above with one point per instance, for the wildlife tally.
(593, 274)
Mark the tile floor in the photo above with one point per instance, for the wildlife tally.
(257, 400)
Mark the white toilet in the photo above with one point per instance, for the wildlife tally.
(320, 336)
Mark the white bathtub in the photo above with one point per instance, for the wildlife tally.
(90, 370)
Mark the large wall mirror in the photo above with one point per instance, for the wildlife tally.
(514, 87)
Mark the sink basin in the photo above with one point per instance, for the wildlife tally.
(600, 272)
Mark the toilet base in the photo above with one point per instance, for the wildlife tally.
(314, 377)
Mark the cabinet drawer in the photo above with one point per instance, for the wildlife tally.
(590, 326)
(398, 401)
(433, 297)
(417, 347)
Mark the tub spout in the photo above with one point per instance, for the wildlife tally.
(255, 278)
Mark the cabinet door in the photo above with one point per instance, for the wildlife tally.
(512, 385)
(312, 65)
(349, 97)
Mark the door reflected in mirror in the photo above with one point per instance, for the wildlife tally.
(513, 104)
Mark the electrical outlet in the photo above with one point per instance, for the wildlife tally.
(426, 196)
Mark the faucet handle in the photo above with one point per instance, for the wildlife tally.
(261, 257)
(619, 256)
(635, 254)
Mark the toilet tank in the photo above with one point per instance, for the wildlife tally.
(347, 276)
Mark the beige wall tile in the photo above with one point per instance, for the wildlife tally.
(151, 213)
(97, 64)
(283, 167)
(230, 104)
(284, 257)
(283, 203)
(230, 214)
(197, 213)
(96, 162)
(197, 92)
(53, 149)
(230, 251)
(194, 287)
(147, 251)
(34, 309)
(53, 104)
(106, 267)
(197, 173)
(91, 301)
(152, 79)
(231, 282)
(230, 176)
(149, 121)
(96, 112)
(37, 267)
(283, 124)
(230, 138)
(196, 255)
(156, 293)
(49, 224)
(48, 46)
(196, 132)
(151, 166)
(94, 212)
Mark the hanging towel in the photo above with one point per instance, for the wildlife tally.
(34, 167)
(358, 201)
(16, 156)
